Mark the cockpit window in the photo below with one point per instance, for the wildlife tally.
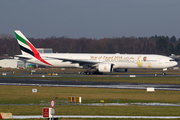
(171, 60)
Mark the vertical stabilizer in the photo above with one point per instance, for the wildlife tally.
(27, 48)
(25, 45)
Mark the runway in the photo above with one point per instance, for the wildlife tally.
(91, 84)
(31, 80)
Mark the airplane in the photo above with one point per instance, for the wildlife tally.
(102, 63)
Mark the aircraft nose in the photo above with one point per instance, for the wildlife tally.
(172, 63)
(175, 63)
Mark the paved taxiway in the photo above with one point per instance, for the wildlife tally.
(66, 83)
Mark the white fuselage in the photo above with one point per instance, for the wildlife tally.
(118, 60)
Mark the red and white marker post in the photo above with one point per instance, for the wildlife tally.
(52, 103)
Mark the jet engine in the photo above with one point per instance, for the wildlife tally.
(105, 67)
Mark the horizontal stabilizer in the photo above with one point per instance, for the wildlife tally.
(20, 57)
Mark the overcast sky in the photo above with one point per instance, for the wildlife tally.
(90, 18)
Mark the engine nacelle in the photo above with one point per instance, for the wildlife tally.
(120, 70)
(105, 67)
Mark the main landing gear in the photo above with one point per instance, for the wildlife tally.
(93, 73)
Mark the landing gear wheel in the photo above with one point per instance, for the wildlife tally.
(87, 73)
(93, 73)
(97, 73)
(164, 73)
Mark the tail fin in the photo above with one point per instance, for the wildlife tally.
(26, 47)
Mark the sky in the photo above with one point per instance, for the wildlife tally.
(94, 19)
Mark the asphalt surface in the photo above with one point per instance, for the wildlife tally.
(65, 83)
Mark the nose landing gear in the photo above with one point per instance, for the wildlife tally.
(164, 71)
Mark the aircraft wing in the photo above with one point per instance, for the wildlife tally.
(80, 62)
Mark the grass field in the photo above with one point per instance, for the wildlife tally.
(24, 95)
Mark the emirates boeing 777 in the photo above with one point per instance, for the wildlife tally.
(102, 63)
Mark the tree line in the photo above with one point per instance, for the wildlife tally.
(131, 45)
